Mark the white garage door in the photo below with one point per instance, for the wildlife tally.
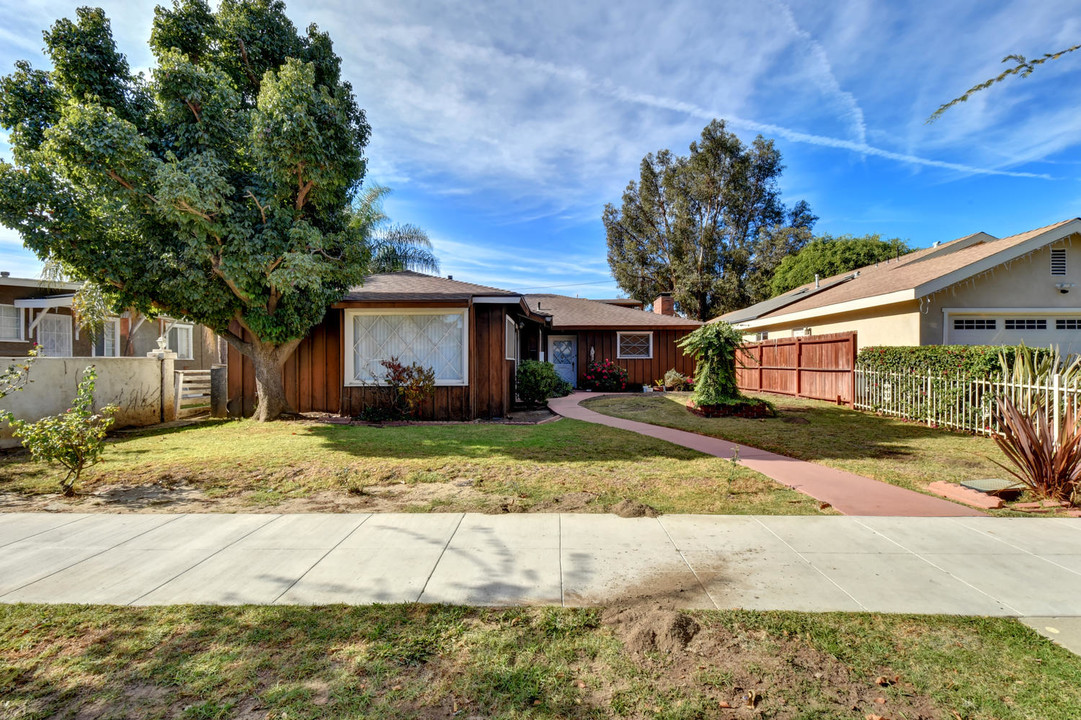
(1062, 330)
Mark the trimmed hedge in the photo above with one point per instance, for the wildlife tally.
(976, 361)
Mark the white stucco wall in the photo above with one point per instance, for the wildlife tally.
(132, 384)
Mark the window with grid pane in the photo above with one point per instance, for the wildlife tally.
(435, 340)
(9, 322)
(635, 345)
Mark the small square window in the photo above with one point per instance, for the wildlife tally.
(1068, 324)
(635, 345)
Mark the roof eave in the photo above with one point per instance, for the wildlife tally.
(991, 261)
(837, 308)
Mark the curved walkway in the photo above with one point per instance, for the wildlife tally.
(848, 493)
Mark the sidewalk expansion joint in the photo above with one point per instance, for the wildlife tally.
(197, 564)
(320, 559)
(440, 558)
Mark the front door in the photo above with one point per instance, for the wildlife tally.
(563, 353)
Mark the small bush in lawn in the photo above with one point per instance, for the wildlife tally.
(74, 439)
(406, 387)
(604, 376)
(536, 381)
(676, 380)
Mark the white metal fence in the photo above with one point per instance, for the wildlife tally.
(958, 402)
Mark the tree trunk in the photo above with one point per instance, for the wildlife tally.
(268, 360)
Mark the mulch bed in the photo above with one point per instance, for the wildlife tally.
(748, 409)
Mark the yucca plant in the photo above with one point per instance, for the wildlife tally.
(1048, 467)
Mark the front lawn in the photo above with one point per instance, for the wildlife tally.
(410, 661)
(897, 452)
(300, 466)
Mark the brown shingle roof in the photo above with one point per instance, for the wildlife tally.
(569, 313)
(910, 272)
(412, 286)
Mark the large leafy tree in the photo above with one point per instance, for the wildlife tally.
(708, 227)
(827, 256)
(218, 190)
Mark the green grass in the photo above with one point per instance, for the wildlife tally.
(439, 661)
(265, 464)
(900, 453)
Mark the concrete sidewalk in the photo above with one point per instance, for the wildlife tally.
(970, 566)
(847, 492)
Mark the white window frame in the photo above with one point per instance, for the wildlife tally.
(70, 327)
(20, 325)
(347, 347)
(801, 332)
(178, 326)
(619, 345)
(511, 331)
(115, 322)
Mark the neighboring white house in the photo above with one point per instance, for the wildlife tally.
(976, 290)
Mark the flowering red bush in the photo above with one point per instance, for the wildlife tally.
(604, 376)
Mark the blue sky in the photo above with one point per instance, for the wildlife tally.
(504, 128)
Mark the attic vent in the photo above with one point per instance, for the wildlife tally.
(1058, 261)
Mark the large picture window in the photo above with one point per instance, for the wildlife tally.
(635, 345)
(431, 338)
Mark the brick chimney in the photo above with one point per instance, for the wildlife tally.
(664, 304)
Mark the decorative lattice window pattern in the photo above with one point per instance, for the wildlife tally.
(1068, 324)
(635, 345)
(1058, 261)
(974, 324)
(435, 341)
(1026, 324)
(9, 323)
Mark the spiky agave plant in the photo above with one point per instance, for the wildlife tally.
(1048, 467)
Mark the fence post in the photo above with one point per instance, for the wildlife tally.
(930, 405)
(799, 367)
(218, 391)
(1056, 415)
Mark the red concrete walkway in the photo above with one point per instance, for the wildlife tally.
(847, 492)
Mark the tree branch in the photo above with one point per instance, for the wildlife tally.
(247, 65)
(183, 205)
(194, 107)
(302, 195)
(262, 210)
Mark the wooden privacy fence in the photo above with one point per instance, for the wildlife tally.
(819, 367)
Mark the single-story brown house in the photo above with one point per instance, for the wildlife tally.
(580, 330)
(35, 311)
(472, 336)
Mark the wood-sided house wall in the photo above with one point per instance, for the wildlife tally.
(603, 343)
(314, 375)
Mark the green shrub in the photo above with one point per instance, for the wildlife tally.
(537, 381)
(74, 439)
(605, 376)
(714, 347)
(976, 361)
(404, 387)
(676, 380)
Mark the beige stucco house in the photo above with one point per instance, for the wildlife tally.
(976, 290)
